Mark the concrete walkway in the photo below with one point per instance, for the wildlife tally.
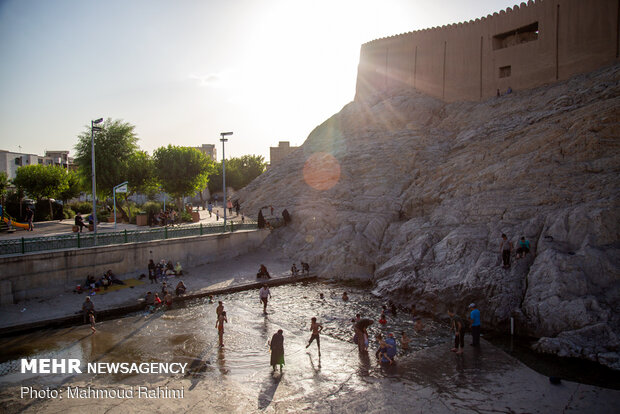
(212, 276)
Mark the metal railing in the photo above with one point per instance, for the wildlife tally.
(80, 240)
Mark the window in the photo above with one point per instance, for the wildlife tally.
(18, 161)
(515, 37)
(504, 71)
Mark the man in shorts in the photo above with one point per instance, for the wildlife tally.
(316, 329)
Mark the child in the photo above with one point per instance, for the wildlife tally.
(91, 317)
(219, 324)
(383, 350)
(404, 341)
(382, 319)
(316, 329)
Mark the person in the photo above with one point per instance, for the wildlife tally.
(173, 216)
(217, 215)
(242, 218)
(271, 209)
(524, 248)
(404, 341)
(305, 268)
(87, 307)
(393, 309)
(156, 301)
(382, 352)
(277, 349)
(219, 309)
(91, 318)
(149, 300)
(90, 220)
(294, 270)
(237, 207)
(382, 319)
(178, 269)
(506, 248)
(168, 300)
(164, 289)
(230, 207)
(474, 317)
(151, 268)
(180, 289)
(316, 329)
(262, 272)
(113, 279)
(345, 297)
(29, 217)
(79, 221)
(264, 294)
(458, 327)
(170, 266)
(210, 208)
(392, 348)
(286, 216)
(219, 324)
(361, 333)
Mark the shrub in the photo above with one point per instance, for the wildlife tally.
(151, 207)
(103, 215)
(186, 217)
(83, 207)
(68, 213)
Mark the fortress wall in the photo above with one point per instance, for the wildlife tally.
(521, 47)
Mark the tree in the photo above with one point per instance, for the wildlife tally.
(115, 146)
(141, 175)
(181, 170)
(40, 182)
(239, 172)
(73, 189)
(4, 184)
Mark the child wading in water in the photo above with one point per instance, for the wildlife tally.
(91, 317)
(219, 324)
(316, 329)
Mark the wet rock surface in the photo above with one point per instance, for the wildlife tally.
(423, 191)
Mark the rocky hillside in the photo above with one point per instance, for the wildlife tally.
(414, 194)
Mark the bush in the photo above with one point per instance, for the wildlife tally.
(103, 215)
(83, 207)
(68, 213)
(151, 207)
(186, 217)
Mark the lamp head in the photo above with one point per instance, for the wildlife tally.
(225, 133)
(98, 121)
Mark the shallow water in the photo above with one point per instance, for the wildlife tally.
(188, 334)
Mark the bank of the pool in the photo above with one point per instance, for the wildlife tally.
(117, 311)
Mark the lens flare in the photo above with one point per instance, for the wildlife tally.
(321, 171)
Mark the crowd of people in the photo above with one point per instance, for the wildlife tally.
(163, 269)
(93, 284)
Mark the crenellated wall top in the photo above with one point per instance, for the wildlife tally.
(515, 9)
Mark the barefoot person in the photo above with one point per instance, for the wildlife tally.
(91, 317)
(219, 324)
(277, 349)
(264, 294)
(219, 309)
(316, 329)
(458, 327)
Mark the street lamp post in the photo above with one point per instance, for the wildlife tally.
(223, 139)
(93, 128)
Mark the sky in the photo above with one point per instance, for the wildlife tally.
(182, 71)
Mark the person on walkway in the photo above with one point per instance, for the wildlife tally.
(29, 217)
(506, 248)
(79, 221)
(230, 207)
(217, 215)
(316, 329)
(210, 208)
(87, 307)
(458, 328)
(264, 294)
(474, 317)
(151, 268)
(219, 324)
(277, 349)
(237, 207)
(523, 249)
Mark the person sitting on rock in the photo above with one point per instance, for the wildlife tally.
(79, 221)
(263, 273)
(305, 268)
(178, 269)
(180, 289)
(523, 249)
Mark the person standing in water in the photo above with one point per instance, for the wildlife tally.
(219, 309)
(277, 349)
(219, 324)
(316, 329)
(264, 294)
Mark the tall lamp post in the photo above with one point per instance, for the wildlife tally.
(94, 128)
(223, 139)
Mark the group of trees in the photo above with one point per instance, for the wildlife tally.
(178, 171)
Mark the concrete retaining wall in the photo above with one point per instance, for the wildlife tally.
(49, 273)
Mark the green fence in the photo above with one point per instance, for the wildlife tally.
(80, 240)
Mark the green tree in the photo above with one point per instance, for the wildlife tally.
(239, 172)
(115, 146)
(181, 170)
(4, 184)
(40, 182)
(73, 189)
(141, 175)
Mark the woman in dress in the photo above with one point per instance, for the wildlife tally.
(277, 349)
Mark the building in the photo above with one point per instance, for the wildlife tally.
(282, 150)
(208, 150)
(11, 161)
(522, 47)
